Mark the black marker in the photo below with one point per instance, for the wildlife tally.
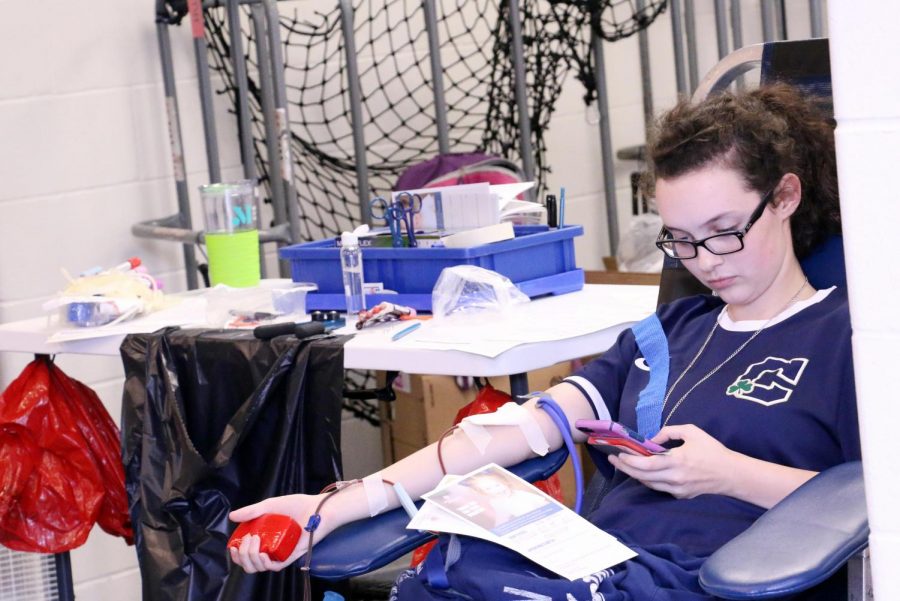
(550, 202)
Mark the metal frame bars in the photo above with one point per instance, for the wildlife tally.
(690, 30)
(816, 29)
(437, 77)
(678, 47)
(245, 137)
(646, 80)
(606, 153)
(721, 12)
(356, 121)
(183, 218)
(521, 94)
(195, 10)
(282, 124)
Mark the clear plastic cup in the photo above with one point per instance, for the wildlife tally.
(232, 233)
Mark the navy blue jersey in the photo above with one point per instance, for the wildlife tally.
(788, 397)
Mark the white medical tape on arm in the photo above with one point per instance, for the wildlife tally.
(510, 414)
(375, 493)
(405, 500)
(479, 435)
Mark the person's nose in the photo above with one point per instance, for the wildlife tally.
(706, 260)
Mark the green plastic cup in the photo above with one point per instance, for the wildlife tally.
(232, 236)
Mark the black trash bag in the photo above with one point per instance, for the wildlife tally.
(213, 421)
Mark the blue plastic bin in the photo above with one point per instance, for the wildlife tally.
(538, 260)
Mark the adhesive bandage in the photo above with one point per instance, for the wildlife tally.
(375, 493)
(510, 414)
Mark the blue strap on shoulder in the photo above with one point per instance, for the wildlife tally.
(651, 340)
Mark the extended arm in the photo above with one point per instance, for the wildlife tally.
(418, 474)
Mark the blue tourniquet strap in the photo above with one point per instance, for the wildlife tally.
(559, 418)
(651, 340)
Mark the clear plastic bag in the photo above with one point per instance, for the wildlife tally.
(470, 288)
(637, 247)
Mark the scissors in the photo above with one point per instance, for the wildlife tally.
(380, 208)
(396, 214)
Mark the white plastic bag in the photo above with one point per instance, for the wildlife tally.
(470, 288)
(637, 247)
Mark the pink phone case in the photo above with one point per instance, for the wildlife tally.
(612, 437)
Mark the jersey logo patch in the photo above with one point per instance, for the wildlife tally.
(769, 382)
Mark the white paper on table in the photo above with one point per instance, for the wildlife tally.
(552, 318)
(190, 311)
(510, 512)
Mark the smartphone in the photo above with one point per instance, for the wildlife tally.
(613, 438)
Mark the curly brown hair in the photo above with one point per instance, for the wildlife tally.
(762, 133)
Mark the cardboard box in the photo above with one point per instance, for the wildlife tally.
(426, 407)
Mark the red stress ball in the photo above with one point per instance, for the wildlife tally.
(278, 535)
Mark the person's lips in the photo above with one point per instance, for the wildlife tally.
(720, 283)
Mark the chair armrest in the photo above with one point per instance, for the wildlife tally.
(365, 545)
(798, 543)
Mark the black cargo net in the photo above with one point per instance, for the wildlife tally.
(397, 102)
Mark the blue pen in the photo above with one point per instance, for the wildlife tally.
(562, 207)
(405, 331)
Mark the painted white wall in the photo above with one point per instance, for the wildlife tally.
(867, 109)
(84, 155)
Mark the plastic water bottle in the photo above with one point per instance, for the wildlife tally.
(352, 269)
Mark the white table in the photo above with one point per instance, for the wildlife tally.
(599, 313)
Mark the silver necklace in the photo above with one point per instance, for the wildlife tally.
(711, 372)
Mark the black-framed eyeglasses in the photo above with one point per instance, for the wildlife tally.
(718, 244)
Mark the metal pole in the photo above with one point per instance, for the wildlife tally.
(646, 80)
(781, 20)
(177, 148)
(283, 125)
(737, 34)
(678, 48)
(356, 120)
(245, 136)
(518, 58)
(768, 20)
(609, 175)
(437, 76)
(690, 28)
(206, 100)
(737, 28)
(721, 28)
(815, 19)
(258, 17)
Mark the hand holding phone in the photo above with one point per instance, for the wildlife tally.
(613, 438)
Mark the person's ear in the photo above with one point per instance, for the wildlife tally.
(787, 195)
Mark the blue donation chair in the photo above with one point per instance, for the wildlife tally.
(796, 547)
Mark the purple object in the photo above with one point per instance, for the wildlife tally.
(459, 168)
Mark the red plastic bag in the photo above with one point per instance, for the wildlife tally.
(488, 400)
(60, 466)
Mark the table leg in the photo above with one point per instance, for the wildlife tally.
(518, 386)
